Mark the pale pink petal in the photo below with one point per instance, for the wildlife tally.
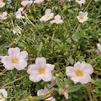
(13, 51)
(48, 11)
(85, 79)
(21, 65)
(87, 68)
(6, 60)
(31, 68)
(75, 79)
(50, 67)
(47, 77)
(78, 64)
(70, 71)
(34, 77)
(41, 92)
(24, 55)
(40, 61)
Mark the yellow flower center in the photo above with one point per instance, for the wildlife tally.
(41, 70)
(79, 73)
(81, 17)
(15, 60)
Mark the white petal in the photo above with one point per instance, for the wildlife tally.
(50, 67)
(85, 79)
(34, 77)
(70, 71)
(40, 61)
(21, 65)
(2, 4)
(13, 51)
(99, 47)
(6, 60)
(24, 55)
(47, 77)
(87, 68)
(41, 92)
(57, 17)
(4, 93)
(75, 79)
(78, 64)
(31, 68)
(48, 11)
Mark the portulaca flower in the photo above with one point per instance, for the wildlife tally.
(3, 94)
(38, 1)
(26, 2)
(80, 72)
(81, 1)
(3, 16)
(48, 15)
(15, 59)
(57, 20)
(2, 4)
(17, 30)
(99, 47)
(20, 13)
(82, 17)
(43, 93)
(40, 70)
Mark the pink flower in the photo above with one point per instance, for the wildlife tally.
(40, 70)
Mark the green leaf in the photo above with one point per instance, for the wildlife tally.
(74, 88)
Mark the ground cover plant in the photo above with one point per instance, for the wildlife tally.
(50, 50)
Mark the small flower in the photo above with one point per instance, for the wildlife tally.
(17, 30)
(57, 20)
(80, 2)
(2, 4)
(26, 2)
(3, 16)
(99, 47)
(82, 17)
(40, 70)
(3, 94)
(48, 15)
(43, 93)
(15, 59)
(38, 1)
(80, 72)
(20, 13)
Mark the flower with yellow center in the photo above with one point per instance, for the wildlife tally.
(15, 59)
(3, 94)
(80, 72)
(48, 15)
(82, 17)
(40, 70)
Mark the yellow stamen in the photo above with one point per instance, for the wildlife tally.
(81, 17)
(41, 70)
(79, 73)
(14, 60)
